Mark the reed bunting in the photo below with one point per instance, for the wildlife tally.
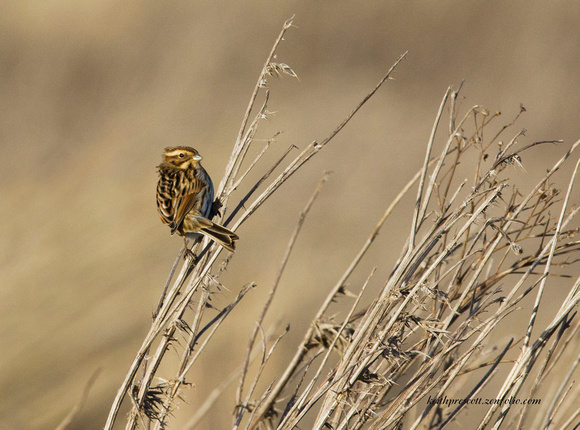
(185, 198)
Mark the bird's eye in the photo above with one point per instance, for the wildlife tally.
(181, 155)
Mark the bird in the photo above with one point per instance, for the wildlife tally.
(185, 198)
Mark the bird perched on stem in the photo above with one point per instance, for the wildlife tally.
(185, 198)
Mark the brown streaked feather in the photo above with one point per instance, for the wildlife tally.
(188, 202)
(178, 193)
(165, 194)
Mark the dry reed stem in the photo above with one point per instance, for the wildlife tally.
(236, 159)
(76, 410)
(243, 406)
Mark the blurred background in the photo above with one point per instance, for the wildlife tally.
(91, 92)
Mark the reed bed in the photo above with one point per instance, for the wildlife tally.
(420, 353)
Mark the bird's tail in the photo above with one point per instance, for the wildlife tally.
(221, 235)
(193, 226)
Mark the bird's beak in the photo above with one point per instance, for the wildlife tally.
(198, 157)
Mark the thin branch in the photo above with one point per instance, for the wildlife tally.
(266, 307)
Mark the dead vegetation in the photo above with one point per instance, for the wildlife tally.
(477, 249)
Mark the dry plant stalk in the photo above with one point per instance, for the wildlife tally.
(471, 258)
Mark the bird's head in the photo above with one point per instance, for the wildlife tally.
(182, 157)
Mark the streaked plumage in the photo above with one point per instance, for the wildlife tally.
(185, 197)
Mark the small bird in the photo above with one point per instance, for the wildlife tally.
(185, 198)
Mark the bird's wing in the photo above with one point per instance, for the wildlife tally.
(165, 195)
(187, 201)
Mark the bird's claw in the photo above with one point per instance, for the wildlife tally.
(215, 208)
(189, 255)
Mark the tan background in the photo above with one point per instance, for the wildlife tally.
(91, 92)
